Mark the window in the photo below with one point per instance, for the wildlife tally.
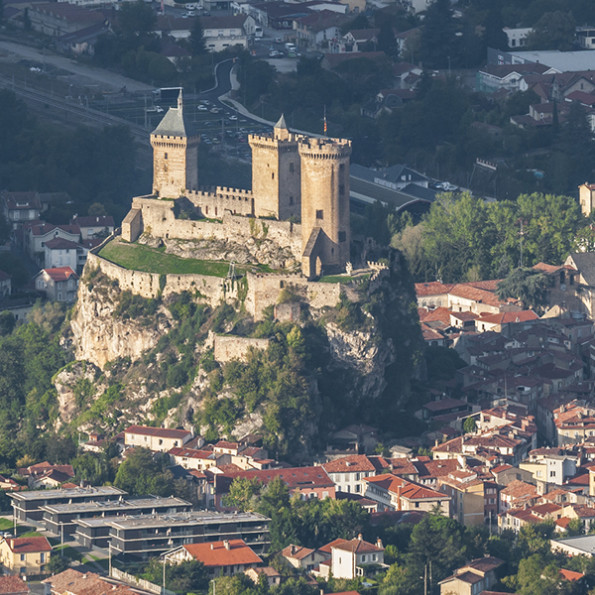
(291, 168)
(165, 155)
(319, 214)
(291, 200)
(22, 557)
(272, 175)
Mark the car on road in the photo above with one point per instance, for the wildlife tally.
(275, 54)
(202, 108)
(233, 118)
(215, 110)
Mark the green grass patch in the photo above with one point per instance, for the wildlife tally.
(139, 257)
(151, 260)
(68, 552)
(335, 279)
(6, 524)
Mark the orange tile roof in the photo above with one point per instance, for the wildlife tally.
(296, 551)
(349, 464)
(23, 545)
(223, 553)
(356, 545)
(76, 583)
(508, 317)
(58, 274)
(571, 575)
(441, 314)
(432, 288)
(9, 585)
(407, 489)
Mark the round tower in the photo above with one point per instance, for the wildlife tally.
(276, 173)
(175, 154)
(325, 204)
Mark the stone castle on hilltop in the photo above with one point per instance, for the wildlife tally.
(300, 194)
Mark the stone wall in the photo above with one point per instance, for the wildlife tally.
(213, 289)
(132, 225)
(264, 291)
(228, 347)
(159, 220)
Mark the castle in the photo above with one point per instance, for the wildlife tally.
(300, 188)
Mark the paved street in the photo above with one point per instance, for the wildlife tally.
(109, 80)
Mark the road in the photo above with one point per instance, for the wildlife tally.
(110, 80)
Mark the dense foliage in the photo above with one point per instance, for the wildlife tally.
(37, 156)
(466, 238)
(29, 357)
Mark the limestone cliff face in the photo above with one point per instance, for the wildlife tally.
(99, 336)
(362, 358)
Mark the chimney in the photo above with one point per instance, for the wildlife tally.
(379, 544)
(359, 537)
(226, 544)
(293, 548)
(212, 546)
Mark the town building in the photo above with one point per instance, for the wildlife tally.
(61, 519)
(220, 558)
(353, 558)
(74, 582)
(156, 439)
(27, 506)
(475, 577)
(59, 284)
(147, 535)
(26, 556)
(396, 493)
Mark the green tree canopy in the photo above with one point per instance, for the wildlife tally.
(143, 473)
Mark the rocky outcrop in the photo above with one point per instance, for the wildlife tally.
(250, 250)
(100, 336)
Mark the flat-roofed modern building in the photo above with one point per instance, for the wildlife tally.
(27, 506)
(60, 519)
(154, 534)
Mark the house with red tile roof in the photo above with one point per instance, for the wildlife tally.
(26, 556)
(517, 494)
(220, 558)
(73, 582)
(306, 482)
(13, 585)
(352, 558)
(94, 226)
(58, 284)
(473, 497)
(304, 558)
(192, 458)
(475, 577)
(348, 472)
(396, 493)
(157, 439)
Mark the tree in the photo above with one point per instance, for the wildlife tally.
(242, 492)
(136, 18)
(387, 42)
(7, 323)
(438, 38)
(436, 548)
(553, 31)
(528, 285)
(469, 425)
(143, 473)
(197, 41)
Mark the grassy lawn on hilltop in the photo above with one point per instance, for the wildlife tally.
(152, 260)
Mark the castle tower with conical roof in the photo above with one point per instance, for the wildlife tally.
(175, 154)
(276, 173)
